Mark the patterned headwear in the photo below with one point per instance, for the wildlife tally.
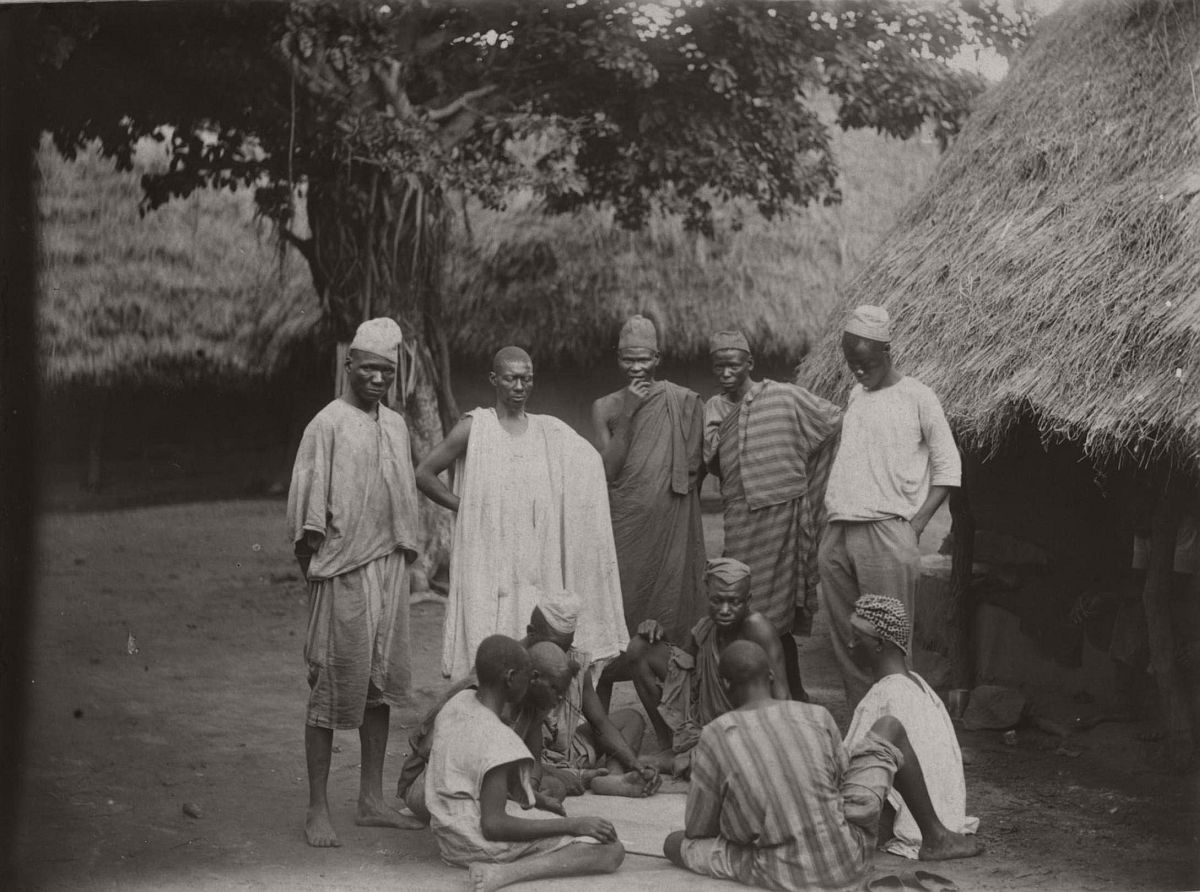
(883, 617)
(638, 332)
(380, 336)
(870, 322)
(561, 611)
(726, 570)
(728, 340)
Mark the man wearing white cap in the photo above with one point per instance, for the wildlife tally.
(649, 435)
(352, 518)
(896, 464)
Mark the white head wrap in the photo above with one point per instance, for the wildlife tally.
(870, 322)
(561, 611)
(379, 336)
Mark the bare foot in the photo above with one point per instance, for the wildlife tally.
(483, 877)
(318, 829)
(628, 784)
(587, 775)
(376, 814)
(664, 761)
(952, 845)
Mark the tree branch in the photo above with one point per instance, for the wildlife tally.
(448, 111)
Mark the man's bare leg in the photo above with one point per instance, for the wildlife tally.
(577, 859)
(648, 671)
(617, 670)
(618, 782)
(318, 750)
(372, 810)
(938, 843)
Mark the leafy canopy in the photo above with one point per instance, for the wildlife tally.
(588, 102)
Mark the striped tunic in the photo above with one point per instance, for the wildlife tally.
(768, 782)
(773, 451)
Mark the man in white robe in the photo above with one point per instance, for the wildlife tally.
(532, 517)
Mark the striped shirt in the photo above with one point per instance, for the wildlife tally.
(769, 779)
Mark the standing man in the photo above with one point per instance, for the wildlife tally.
(352, 514)
(649, 435)
(532, 519)
(895, 466)
(771, 444)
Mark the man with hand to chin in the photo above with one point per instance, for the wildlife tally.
(896, 464)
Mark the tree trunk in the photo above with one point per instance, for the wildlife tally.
(1156, 597)
(962, 610)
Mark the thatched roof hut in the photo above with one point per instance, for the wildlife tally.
(563, 286)
(1051, 270)
(192, 293)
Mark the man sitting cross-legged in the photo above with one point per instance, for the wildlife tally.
(881, 635)
(476, 761)
(679, 686)
(776, 801)
(580, 735)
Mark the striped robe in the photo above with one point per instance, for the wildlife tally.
(772, 451)
(768, 783)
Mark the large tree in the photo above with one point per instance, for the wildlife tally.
(385, 108)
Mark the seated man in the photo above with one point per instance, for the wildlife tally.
(580, 736)
(776, 801)
(882, 632)
(600, 754)
(476, 760)
(548, 684)
(679, 686)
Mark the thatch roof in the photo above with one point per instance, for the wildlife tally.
(1051, 270)
(563, 286)
(192, 292)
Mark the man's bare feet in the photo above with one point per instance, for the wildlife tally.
(483, 877)
(664, 761)
(376, 814)
(587, 775)
(629, 784)
(950, 846)
(318, 829)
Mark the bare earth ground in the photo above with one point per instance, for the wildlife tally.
(166, 670)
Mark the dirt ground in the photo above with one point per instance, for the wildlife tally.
(166, 671)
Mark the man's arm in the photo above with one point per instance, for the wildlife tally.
(608, 738)
(702, 813)
(306, 547)
(612, 418)
(758, 629)
(945, 462)
(499, 826)
(442, 456)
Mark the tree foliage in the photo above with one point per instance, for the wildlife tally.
(385, 107)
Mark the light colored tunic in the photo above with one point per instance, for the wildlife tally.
(469, 740)
(353, 483)
(920, 711)
(533, 519)
(656, 518)
(896, 444)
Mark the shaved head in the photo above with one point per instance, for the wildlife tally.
(548, 659)
(743, 663)
(497, 655)
(509, 354)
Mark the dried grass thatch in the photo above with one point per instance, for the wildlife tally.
(192, 292)
(563, 286)
(1051, 271)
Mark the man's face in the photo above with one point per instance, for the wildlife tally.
(638, 363)
(547, 690)
(518, 682)
(728, 605)
(369, 375)
(731, 368)
(513, 381)
(869, 361)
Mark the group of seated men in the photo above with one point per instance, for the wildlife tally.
(777, 798)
